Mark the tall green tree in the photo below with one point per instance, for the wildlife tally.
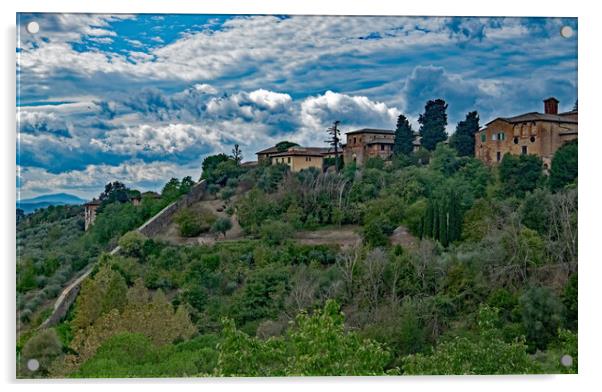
(432, 123)
(564, 166)
(520, 174)
(211, 162)
(404, 136)
(463, 139)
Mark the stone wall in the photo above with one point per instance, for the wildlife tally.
(155, 224)
(149, 228)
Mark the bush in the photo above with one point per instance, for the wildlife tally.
(132, 243)
(275, 232)
(564, 166)
(45, 347)
(221, 226)
(541, 315)
(192, 224)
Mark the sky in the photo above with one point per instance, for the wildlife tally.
(143, 98)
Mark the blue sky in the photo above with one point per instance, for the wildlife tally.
(142, 98)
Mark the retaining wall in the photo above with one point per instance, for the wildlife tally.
(150, 228)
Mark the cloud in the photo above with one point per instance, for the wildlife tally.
(91, 180)
(35, 122)
(158, 140)
(319, 112)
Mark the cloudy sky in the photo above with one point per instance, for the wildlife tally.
(142, 98)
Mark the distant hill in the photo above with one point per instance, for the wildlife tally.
(43, 201)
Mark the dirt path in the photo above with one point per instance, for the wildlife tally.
(344, 236)
(401, 236)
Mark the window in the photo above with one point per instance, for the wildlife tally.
(354, 140)
(515, 140)
(309, 159)
(501, 136)
(499, 156)
(289, 159)
(382, 147)
(524, 150)
(494, 137)
(532, 139)
(483, 137)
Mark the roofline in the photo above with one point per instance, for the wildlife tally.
(298, 153)
(506, 119)
(371, 130)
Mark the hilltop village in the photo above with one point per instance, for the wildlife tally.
(426, 253)
(535, 133)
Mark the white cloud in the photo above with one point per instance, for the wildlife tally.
(205, 88)
(91, 180)
(166, 139)
(318, 113)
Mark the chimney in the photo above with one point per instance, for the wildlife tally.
(550, 105)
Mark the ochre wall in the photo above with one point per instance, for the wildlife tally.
(299, 162)
(541, 138)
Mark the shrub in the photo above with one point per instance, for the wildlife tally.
(541, 315)
(132, 243)
(221, 226)
(45, 347)
(275, 232)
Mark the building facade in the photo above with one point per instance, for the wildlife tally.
(368, 143)
(534, 133)
(90, 213)
(299, 158)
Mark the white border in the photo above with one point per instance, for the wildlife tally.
(590, 67)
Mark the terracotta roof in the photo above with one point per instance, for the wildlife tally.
(268, 150)
(535, 116)
(299, 152)
(371, 130)
(93, 202)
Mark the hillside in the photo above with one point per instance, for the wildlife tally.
(43, 201)
(436, 266)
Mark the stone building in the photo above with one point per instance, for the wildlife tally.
(534, 133)
(90, 213)
(299, 158)
(367, 143)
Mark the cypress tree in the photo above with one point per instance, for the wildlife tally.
(463, 139)
(432, 124)
(404, 136)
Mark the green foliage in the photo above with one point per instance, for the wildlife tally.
(315, 345)
(541, 316)
(404, 137)
(275, 232)
(463, 139)
(565, 164)
(520, 174)
(445, 160)
(432, 124)
(482, 353)
(263, 295)
(221, 226)
(100, 294)
(285, 145)
(570, 302)
(192, 223)
(211, 162)
(375, 163)
(132, 243)
(134, 355)
(45, 347)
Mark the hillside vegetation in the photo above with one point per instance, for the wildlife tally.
(490, 288)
